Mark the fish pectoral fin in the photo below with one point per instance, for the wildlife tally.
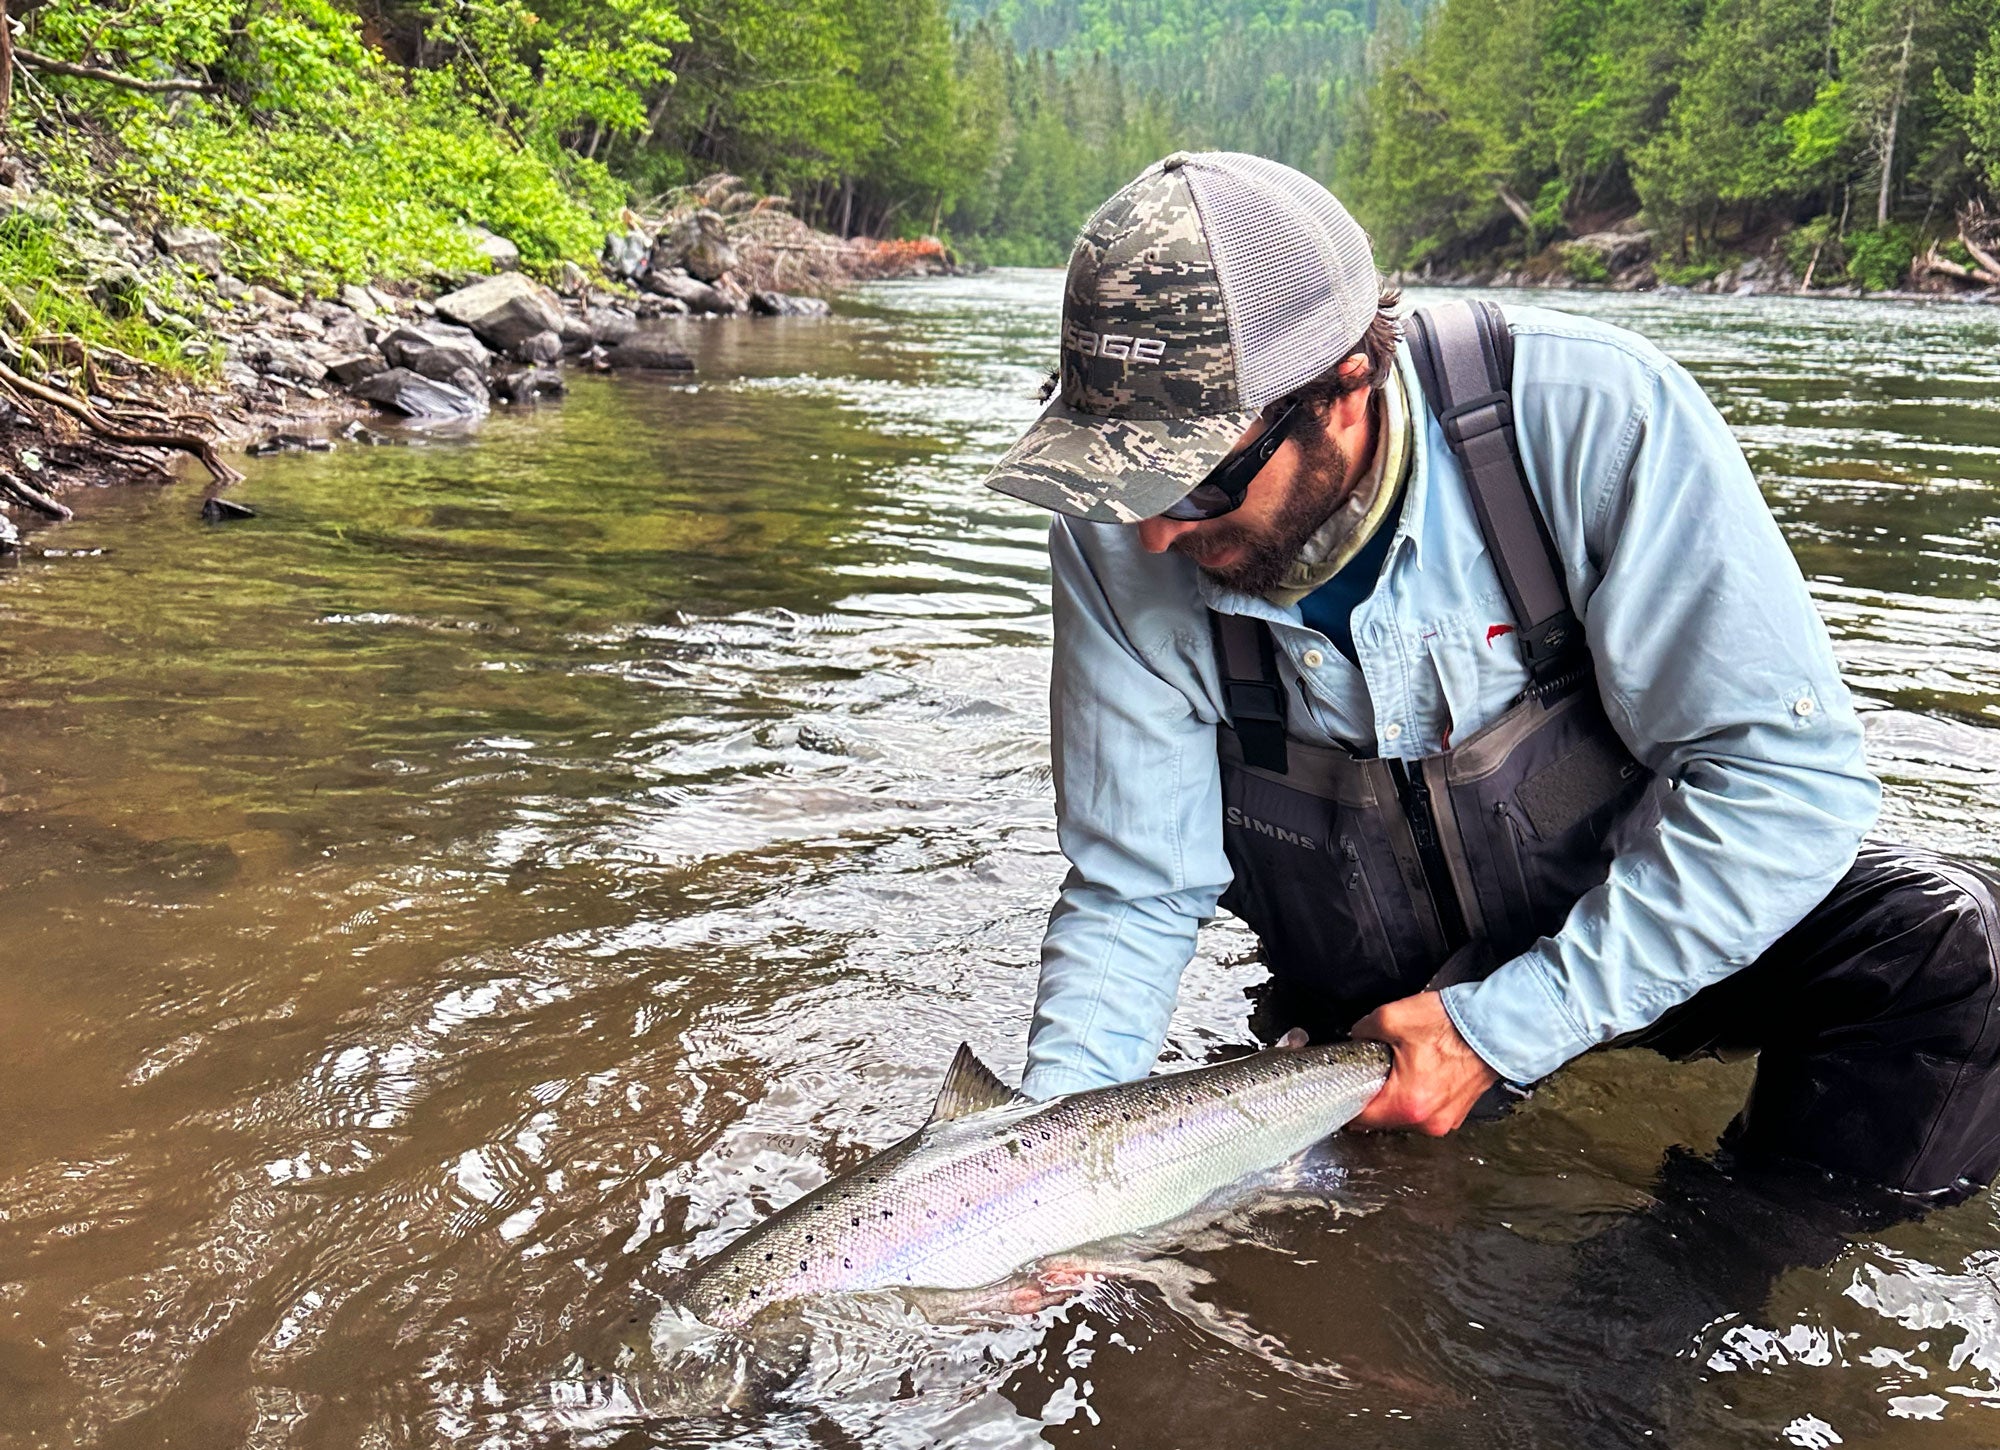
(970, 1087)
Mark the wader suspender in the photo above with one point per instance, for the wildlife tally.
(1464, 357)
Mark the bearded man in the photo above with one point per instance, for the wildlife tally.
(1512, 733)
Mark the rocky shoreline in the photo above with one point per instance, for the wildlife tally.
(1626, 257)
(302, 372)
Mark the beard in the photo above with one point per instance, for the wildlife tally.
(1267, 550)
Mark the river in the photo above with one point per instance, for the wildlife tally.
(434, 909)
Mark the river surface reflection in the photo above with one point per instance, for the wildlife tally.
(517, 860)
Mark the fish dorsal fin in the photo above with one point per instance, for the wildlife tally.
(970, 1087)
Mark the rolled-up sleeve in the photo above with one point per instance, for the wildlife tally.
(1716, 669)
(1139, 816)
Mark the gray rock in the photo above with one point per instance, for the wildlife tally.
(543, 347)
(610, 326)
(350, 334)
(497, 250)
(575, 333)
(235, 289)
(387, 301)
(698, 244)
(652, 306)
(223, 510)
(196, 248)
(649, 351)
(270, 301)
(472, 383)
(786, 304)
(573, 280)
(436, 350)
(416, 396)
(347, 369)
(10, 537)
(359, 300)
(308, 324)
(691, 293)
(275, 357)
(524, 385)
(503, 310)
(625, 254)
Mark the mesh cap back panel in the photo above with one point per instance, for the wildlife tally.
(1297, 276)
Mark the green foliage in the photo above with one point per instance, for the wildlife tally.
(1586, 264)
(67, 291)
(1878, 258)
(1721, 118)
(1697, 269)
(1816, 248)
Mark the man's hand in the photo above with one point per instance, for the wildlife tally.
(1434, 1078)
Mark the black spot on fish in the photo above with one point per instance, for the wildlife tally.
(885, 1213)
(767, 1258)
(802, 1266)
(857, 1222)
(847, 1263)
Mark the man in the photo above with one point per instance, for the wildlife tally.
(1290, 678)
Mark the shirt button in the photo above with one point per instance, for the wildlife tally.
(1804, 706)
(1394, 732)
(1313, 659)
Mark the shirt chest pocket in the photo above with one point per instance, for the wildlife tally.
(1475, 667)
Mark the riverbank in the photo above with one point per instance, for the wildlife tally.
(1625, 255)
(264, 370)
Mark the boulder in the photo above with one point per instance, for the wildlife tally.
(691, 293)
(416, 396)
(436, 350)
(305, 322)
(697, 243)
(500, 253)
(347, 369)
(224, 510)
(472, 383)
(649, 351)
(543, 347)
(503, 310)
(575, 333)
(574, 281)
(524, 385)
(196, 248)
(610, 326)
(359, 300)
(231, 289)
(270, 301)
(625, 254)
(275, 357)
(786, 304)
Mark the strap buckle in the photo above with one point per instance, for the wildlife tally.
(1254, 700)
(1476, 417)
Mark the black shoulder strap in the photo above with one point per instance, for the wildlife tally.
(1252, 690)
(1464, 355)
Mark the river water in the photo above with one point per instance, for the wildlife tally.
(434, 910)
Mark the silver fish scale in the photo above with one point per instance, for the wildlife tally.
(965, 1202)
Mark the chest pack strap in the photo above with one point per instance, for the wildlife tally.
(1464, 356)
(1251, 688)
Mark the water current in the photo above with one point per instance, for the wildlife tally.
(518, 859)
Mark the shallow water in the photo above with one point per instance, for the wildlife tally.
(516, 860)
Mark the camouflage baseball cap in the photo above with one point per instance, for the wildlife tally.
(1209, 286)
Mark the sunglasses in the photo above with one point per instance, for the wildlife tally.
(1227, 484)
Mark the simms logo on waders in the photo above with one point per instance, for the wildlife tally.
(1234, 816)
(1113, 344)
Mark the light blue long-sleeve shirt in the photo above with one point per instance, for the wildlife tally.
(1712, 663)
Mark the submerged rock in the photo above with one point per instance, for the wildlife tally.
(649, 352)
(416, 396)
(787, 304)
(503, 310)
(222, 510)
(524, 385)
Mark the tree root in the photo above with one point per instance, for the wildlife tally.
(189, 443)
